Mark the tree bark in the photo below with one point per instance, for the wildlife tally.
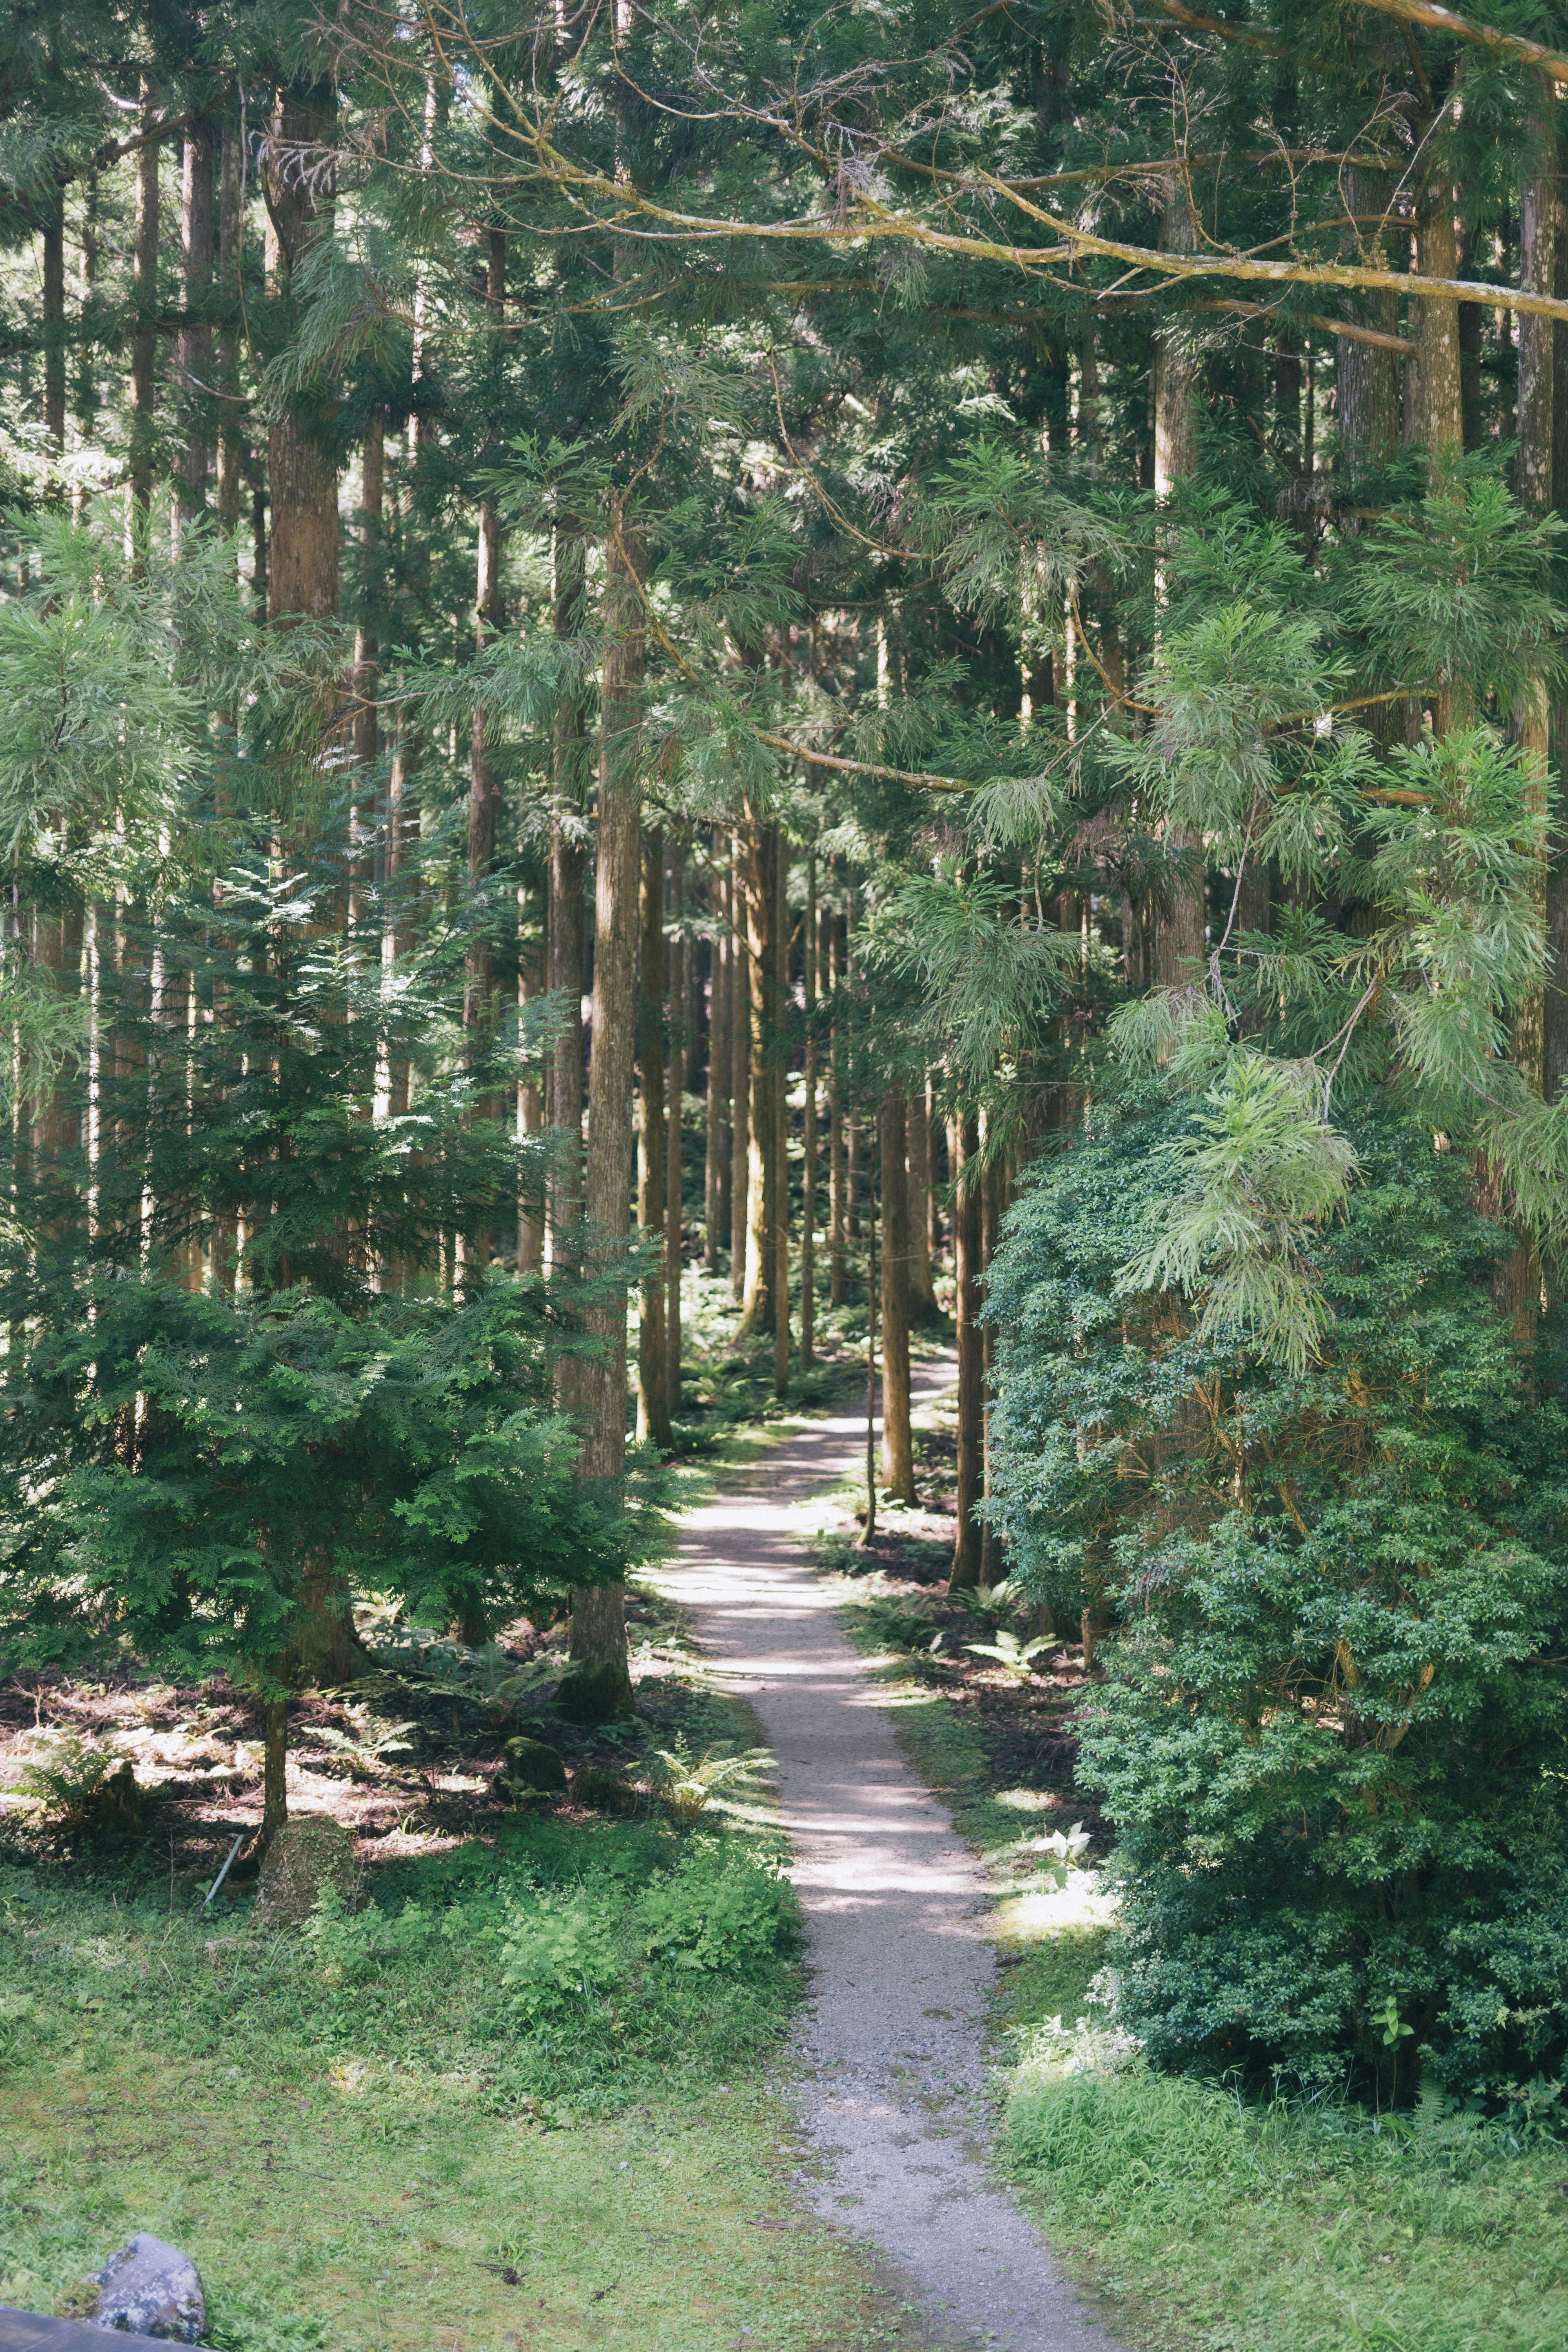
(275, 1769)
(674, 1131)
(897, 1444)
(302, 464)
(716, 1138)
(742, 987)
(145, 332)
(762, 1166)
(963, 1150)
(1366, 375)
(1179, 923)
(197, 159)
(54, 324)
(922, 1287)
(1554, 1020)
(836, 1287)
(808, 1138)
(565, 930)
(366, 674)
(1442, 407)
(993, 1186)
(778, 1191)
(653, 1395)
(489, 619)
(601, 1678)
(1537, 411)
(229, 451)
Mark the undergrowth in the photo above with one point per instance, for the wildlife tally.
(1214, 2220)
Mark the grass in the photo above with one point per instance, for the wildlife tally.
(535, 2095)
(1213, 2220)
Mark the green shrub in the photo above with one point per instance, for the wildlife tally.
(1332, 1733)
(722, 1910)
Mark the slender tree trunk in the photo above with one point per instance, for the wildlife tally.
(653, 1368)
(144, 305)
(366, 675)
(1179, 932)
(778, 1191)
(674, 1130)
(54, 323)
(897, 1444)
(808, 1138)
(531, 952)
(716, 1141)
(601, 1683)
(1554, 1014)
(963, 1150)
(565, 927)
(922, 1288)
(869, 1530)
(853, 1155)
(1366, 375)
(275, 1769)
(836, 1289)
(1537, 413)
(196, 345)
(742, 988)
(1442, 392)
(762, 1166)
(302, 465)
(489, 620)
(993, 1184)
(230, 453)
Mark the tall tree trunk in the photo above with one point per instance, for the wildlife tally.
(853, 1155)
(762, 1166)
(366, 674)
(565, 930)
(230, 452)
(1366, 375)
(993, 1186)
(917, 1146)
(275, 1769)
(1537, 413)
(674, 1129)
(1179, 929)
(809, 1137)
(743, 981)
(716, 1138)
(836, 1285)
(778, 1190)
(1554, 1021)
(653, 1368)
(489, 619)
(54, 323)
(301, 466)
(145, 306)
(197, 159)
(530, 959)
(898, 1443)
(601, 1681)
(1442, 392)
(964, 1149)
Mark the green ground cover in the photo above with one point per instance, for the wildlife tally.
(1209, 2219)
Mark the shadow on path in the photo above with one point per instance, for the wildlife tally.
(900, 1960)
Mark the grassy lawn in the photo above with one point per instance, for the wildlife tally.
(1214, 2222)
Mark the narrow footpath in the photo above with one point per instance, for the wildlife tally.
(900, 1960)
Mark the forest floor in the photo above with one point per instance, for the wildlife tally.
(355, 2133)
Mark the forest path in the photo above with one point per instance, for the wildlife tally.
(900, 1958)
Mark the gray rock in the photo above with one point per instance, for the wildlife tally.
(152, 2289)
(530, 1769)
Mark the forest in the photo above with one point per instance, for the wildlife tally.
(726, 728)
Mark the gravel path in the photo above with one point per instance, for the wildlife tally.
(895, 1909)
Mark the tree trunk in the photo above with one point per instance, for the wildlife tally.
(565, 930)
(1537, 409)
(653, 1395)
(716, 1138)
(993, 1184)
(742, 987)
(601, 1682)
(852, 1139)
(1179, 932)
(897, 1444)
(1554, 1021)
(195, 344)
(808, 1138)
(837, 1288)
(762, 1166)
(531, 984)
(964, 1149)
(144, 330)
(229, 451)
(1366, 375)
(366, 675)
(275, 1769)
(778, 1060)
(869, 1530)
(301, 469)
(489, 620)
(1441, 393)
(674, 1131)
(917, 1145)
(54, 323)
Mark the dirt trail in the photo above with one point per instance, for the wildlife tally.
(895, 1909)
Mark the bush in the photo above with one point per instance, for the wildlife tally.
(719, 1909)
(1332, 1734)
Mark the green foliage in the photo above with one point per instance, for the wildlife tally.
(1333, 1727)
